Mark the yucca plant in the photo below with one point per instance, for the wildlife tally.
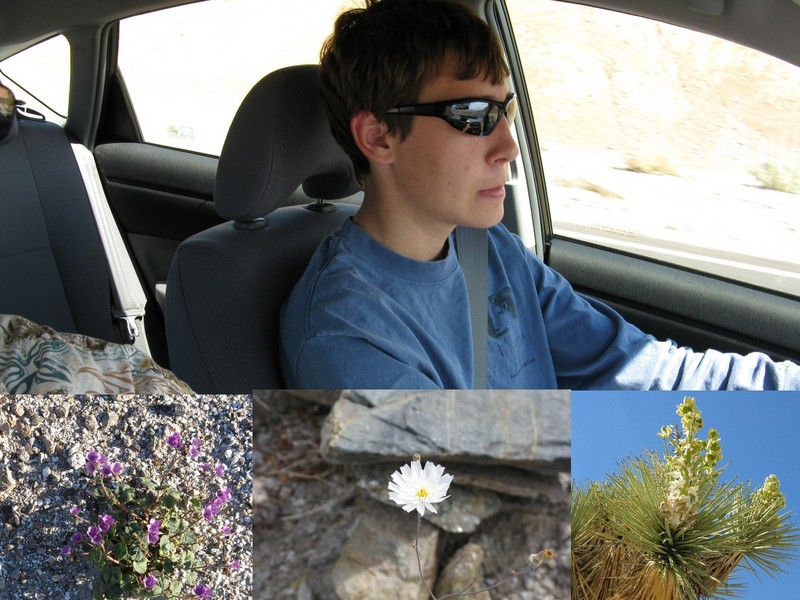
(669, 528)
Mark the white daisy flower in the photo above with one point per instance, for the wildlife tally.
(416, 488)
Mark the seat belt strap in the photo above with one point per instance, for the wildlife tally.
(473, 254)
(129, 295)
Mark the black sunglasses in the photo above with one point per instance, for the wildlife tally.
(475, 116)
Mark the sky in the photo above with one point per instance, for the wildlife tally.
(759, 432)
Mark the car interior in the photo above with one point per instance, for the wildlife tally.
(218, 241)
(233, 278)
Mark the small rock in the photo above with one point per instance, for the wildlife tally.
(75, 457)
(7, 481)
(91, 422)
(379, 561)
(463, 570)
(109, 420)
(48, 444)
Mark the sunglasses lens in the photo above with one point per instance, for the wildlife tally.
(477, 117)
(469, 117)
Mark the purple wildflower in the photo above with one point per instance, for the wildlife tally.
(236, 565)
(76, 538)
(226, 530)
(152, 531)
(202, 591)
(174, 440)
(104, 522)
(224, 494)
(194, 451)
(150, 582)
(95, 535)
(205, 466)
(66, 549)
(210, 511)
(75, 511)
(219, 470)
(99, 462)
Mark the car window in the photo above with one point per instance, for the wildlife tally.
(40, 77)
(188, 68)
(664, 142)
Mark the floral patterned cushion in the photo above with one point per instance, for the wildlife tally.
(35, 359)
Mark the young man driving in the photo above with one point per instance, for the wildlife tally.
(417, 95)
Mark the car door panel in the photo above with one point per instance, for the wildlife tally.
(159, 196)
(693, 309)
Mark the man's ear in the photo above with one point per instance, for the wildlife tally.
(372, 137)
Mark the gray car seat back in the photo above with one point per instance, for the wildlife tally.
(52, 264)
(226, 284)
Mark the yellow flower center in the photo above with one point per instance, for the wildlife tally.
(422, 493)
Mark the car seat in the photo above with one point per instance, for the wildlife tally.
(227, 283)
(53, 266)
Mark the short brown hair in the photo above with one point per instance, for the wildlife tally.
(380, 56)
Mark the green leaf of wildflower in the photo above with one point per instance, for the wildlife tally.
(175, 587)
(121, 551)
(195, 502)
(170, 499)
(166, 546)
(130, 583)
(136, 554)
(140, 566)
(173, 524)
(189, 537)
(125, 494)
(148, 483)
(111, 576)
(97, 557)
(191, 578)
(187, 558)
(169, 566)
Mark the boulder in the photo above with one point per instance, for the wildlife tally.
(524, 429)
(379, 561)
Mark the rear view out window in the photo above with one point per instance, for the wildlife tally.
(188, 68)
(40, 76)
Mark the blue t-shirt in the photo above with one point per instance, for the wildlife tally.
(364, 317)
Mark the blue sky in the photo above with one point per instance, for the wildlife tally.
(759, 432)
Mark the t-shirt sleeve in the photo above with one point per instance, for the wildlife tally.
(593, 347)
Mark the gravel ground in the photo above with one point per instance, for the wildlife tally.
(43, 444)
(304, 510)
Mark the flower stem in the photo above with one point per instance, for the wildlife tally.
(419, 560)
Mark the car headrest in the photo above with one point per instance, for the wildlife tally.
(280, 139)
(8, 116)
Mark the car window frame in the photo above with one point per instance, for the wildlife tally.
(500, 18)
